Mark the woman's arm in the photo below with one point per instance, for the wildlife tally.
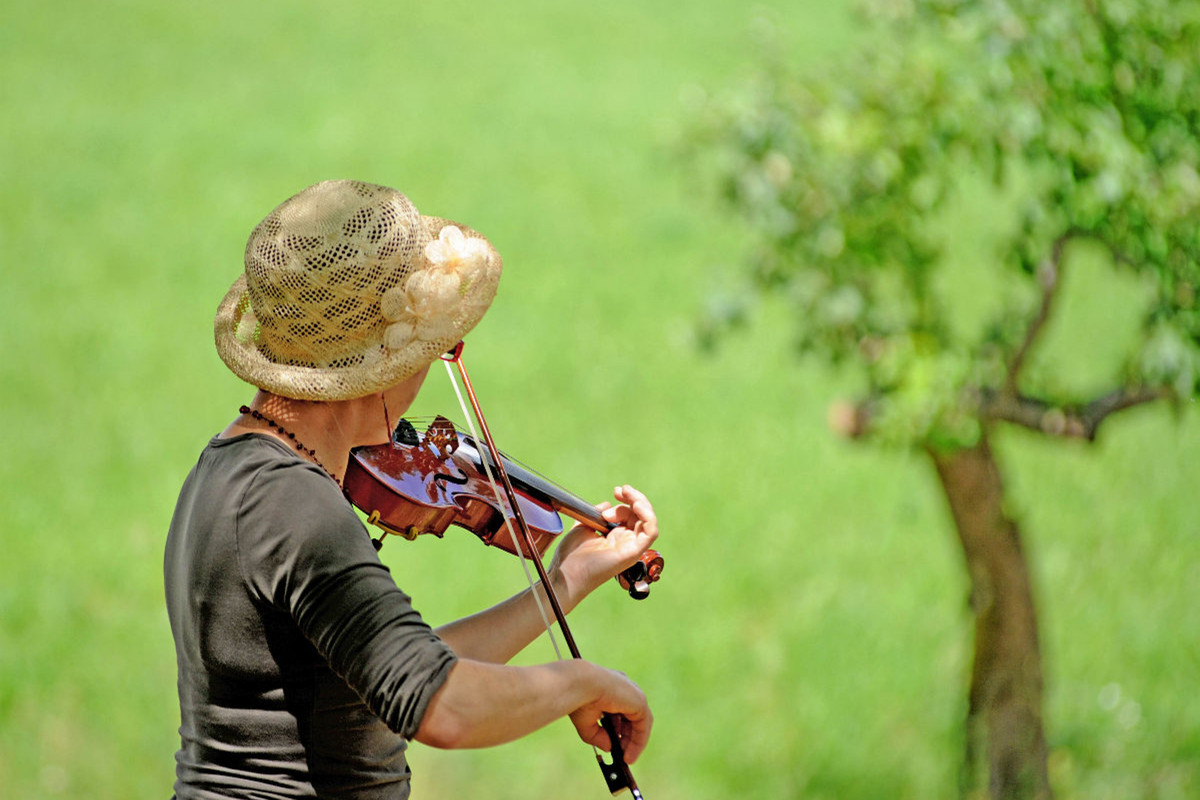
(481, 705)
(582, 562)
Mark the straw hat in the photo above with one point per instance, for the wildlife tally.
(348, 290)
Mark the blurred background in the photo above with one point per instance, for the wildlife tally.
(810, 637)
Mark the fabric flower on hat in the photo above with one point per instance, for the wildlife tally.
(454, 252)
(426, 305)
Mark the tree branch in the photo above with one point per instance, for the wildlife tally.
(1071, 422)
(1048, 277)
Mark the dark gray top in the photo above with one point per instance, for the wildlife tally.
(302, 667)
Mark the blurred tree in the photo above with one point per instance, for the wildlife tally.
(1085, 117)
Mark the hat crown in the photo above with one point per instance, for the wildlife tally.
(317, 266)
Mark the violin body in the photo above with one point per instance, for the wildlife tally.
(408, 490)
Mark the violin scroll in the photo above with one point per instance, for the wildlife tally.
(637, 579)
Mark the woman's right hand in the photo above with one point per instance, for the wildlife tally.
(626, 703)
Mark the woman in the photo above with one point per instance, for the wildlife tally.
(303, 669)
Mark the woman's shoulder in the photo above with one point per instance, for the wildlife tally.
(275, 486)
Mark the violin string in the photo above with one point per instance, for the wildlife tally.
(512, 536)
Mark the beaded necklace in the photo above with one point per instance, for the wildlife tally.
(311, 453)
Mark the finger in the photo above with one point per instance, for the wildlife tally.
(638, 513)
(630, 532)
(647, 519)
(629, 494)
(626, 493)
(634, 735)
(591, 733)
(619, 515)
(635, 500)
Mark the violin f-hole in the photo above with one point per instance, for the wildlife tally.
(441, 476)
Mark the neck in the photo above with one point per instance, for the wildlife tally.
(323, 432)
(331, 429)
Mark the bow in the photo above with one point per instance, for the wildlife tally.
(617, 775)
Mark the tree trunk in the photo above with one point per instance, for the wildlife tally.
(1005, 742)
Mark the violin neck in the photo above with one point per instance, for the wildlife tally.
(546, 491)
(578, 510)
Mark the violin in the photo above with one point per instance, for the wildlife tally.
(424, 483)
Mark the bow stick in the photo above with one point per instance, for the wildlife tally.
(616, 773)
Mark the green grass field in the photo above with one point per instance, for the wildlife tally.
(810, 638)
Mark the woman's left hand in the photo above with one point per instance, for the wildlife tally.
(584, 560)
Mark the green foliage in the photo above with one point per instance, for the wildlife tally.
(1082, 117)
